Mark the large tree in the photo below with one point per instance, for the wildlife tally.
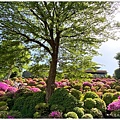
(61, 30)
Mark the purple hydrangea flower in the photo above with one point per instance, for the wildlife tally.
(10, 117)
(114, 106)
(55, 114)
(87, 84)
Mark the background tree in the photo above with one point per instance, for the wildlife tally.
(14, 57)
(56, 28)
(117, 71)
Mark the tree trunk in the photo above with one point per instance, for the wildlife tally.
(9, 73)
(51, 79)
(53, 66)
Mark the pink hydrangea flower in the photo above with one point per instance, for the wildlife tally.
(35, 89)
(12, 89)
(3, 86)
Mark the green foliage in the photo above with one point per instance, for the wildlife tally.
(117, 88)
(89, 103)
(26, 105)
(96, 113)
(100, 104)
(15, 114)
(79, 111)
(56, 107)
(116, 95)
(15, 59)
(3, 114)
(19, 103)
(77, 86)
(57, 22)
(62, 97)
(117, 73)
(76, 93)
(10, 102)
(30, 102)
(3, 103)
(108, 98)
(71, 115)
(90, 94)
(115, 114)
(41, 107)
(3, 106)
(37, 115)
(87, 116)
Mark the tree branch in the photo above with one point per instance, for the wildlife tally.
(33, 40)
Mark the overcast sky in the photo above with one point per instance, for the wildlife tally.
(109, 50)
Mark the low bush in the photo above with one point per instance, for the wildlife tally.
(89, 103)
(57, 107)
(3, 114)
(90, 94)
(71, 115)
(117, 88)
(87, 116)
(79, 111)
(15, 114)
(62, 97)
(76, 93)
(108, 98)
(100, 104)
(77, 86)
(96, 113)
(116, 95)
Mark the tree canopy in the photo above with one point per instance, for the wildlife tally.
(63, 31)
(13, 58)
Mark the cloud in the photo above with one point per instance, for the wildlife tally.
(108, 51)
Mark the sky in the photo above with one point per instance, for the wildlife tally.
(109, 50)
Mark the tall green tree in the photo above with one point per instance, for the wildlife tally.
(57, 28)
(13, 57)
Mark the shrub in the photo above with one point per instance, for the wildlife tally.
(3, 106)
(37, 115)
(90, 94)
(18, 104)
(96, 113)
(10, 103)
(56, 107)
(71, 115)
(108, 98)
(62, 97)
(87, 116)
(115, 105)
(89, 103)
(87, 88)
(15, 114)
(76, 93)
(26, 105)
(3, 114)
(79, 111)
(42, 108)
(117, 88)
(100, 104)
(115, 114)
(77, 86)
(115, 95)
(30, 102)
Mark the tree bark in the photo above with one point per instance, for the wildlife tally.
(53, 66)
(51, 78)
